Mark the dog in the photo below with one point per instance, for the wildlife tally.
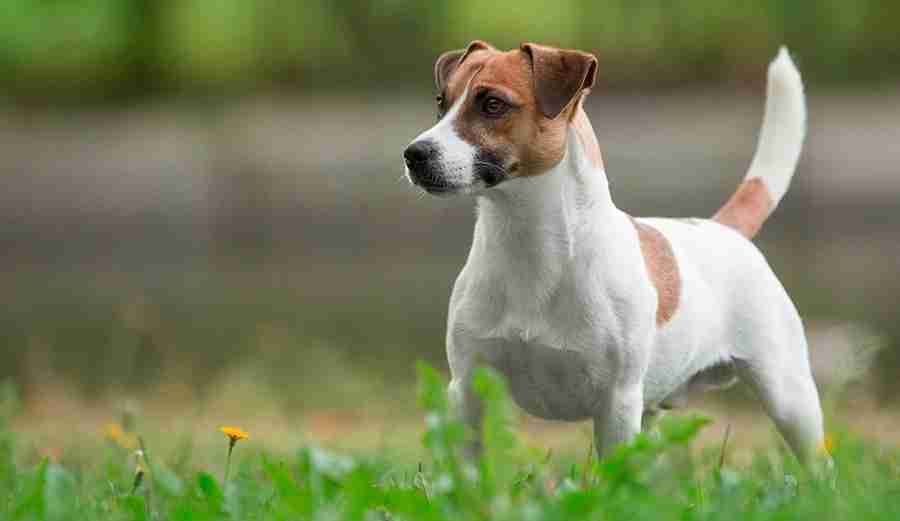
(588, 312)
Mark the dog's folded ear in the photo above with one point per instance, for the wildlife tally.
(560, 75)
(447, 63)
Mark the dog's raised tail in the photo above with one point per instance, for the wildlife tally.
(780, 141)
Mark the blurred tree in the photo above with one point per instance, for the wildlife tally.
(52, 50)
(143, 54)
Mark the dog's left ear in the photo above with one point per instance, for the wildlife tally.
(560, 76)
(448, 62)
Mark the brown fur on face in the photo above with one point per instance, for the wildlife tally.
(543, 88)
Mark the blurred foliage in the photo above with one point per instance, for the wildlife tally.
(110, 49)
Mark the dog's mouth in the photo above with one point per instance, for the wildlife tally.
(489, 168)
(430, 184)
(438, 189)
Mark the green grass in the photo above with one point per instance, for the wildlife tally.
(657, 477)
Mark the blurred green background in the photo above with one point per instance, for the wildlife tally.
(203, 197)
(122, 49)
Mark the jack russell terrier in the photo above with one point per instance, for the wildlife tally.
(591, 313)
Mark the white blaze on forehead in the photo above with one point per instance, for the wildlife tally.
(443, 132)
(456, 155)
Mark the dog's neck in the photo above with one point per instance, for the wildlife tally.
(585, 131)
(540, 216)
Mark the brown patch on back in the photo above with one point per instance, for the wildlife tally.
(663, 270)
(747, 208)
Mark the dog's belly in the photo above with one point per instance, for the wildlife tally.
(548, 382)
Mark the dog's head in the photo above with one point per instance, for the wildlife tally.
(501, 115)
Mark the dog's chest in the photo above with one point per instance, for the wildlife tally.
(547, 316)
(549, 381)
(554, 355)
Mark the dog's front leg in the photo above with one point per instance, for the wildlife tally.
(618, 419)
(467, 406)
(618, 412)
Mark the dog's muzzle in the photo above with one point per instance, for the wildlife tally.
(423, 162)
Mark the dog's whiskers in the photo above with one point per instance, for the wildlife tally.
(495, 167)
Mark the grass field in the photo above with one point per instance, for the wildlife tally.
(663, 475)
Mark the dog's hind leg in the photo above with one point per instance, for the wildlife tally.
(789, 396)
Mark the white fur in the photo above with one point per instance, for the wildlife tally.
(783, 128)
(556, 295)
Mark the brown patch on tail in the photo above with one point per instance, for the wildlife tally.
(663, 270)
(748, 208)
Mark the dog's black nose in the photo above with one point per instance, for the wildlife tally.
(419, 152)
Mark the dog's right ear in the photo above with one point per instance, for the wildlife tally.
(561, 76)
(447, 63)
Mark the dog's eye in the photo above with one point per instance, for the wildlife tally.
(494, 107)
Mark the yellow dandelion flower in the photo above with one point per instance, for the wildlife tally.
(113, 431)
(828, 444)
(234, 434)
(116, 434)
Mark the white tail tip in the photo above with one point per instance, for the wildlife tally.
(783, 129)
